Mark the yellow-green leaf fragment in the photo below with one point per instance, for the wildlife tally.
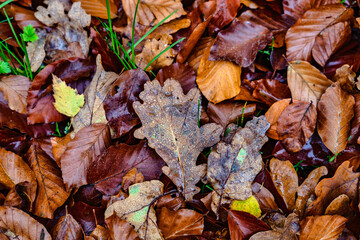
(249, 205)
(67, 99)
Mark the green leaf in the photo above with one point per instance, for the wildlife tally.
(249, 205)
(29, 34)
(4, 67)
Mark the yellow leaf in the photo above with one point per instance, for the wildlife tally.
(67, 99)
(249, 205)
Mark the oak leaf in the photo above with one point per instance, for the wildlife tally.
(170, 123)
(137, 209)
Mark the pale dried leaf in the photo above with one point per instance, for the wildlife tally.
(36, 51)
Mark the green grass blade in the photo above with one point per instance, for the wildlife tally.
(5, 3)
(157, 56)
(133, 32)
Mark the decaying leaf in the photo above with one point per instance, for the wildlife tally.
(67, 228)
(218, 80)
(335, 111)
(346, 78)
(16, 224)
(95, 95)
(138, 209)
(233, 167)
(36, 51)
(15, 90)
(273, 114)
(288, 231)
(306, 82)
(322, 227)
(67, 99)
(169, 122)
(151, 12)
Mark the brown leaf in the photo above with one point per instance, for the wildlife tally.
(120, 229)
(118, 103)
(226, 11)
(335, 111)
(306, 82)
(95, 95)
(307, 188)
(59, 146)
(67, 228)
(109, 168)
(137, 209)
(346, 78)
(343, 182)
(180, 223)
(81, 151)
(286, 180)
(306, 37)
(322, 227)
(339, 206)
(264, 197)
(13, 170)
(36, 51)
(100, 233)
(270, 91)
(19, 225)
(199, 50)
(97, 8)
(25, 17)
(272, 116)
(240, 42)
(15, 91)
(151, 12)
(131, 177)
(355, 123)
(218, 80)
(169, 122)
(288, 231)
(242, 225)
(19, 196)
(233, 167)
(51, 192)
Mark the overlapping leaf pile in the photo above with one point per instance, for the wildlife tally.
(250, 130)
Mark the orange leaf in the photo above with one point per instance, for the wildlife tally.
(322, 227)
(97, 8)
(273, 114)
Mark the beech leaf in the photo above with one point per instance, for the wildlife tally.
(249, 205)
(322, 227)
(97, 8)
(170, 123)
(120, 229)
(273, 114)
(67, 228)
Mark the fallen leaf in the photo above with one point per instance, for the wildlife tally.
(242, 225)
(19, 196)
(67, 99)
(335, 111)
(120, 229)
(322, 227)
(36, 50)
(225, 12)
(15, 90)
(81, 151)
(25, 17)
(355, 123)
(180, 223)
(118, 103)
(343, 182)
(288, 231)
(218, 80)
(97, 8)
(306, 37)
(264, 197)
(67, 228)
(249, 205)
(100, 233)
(270, 91)
(233, 167)
(151, 12)
(306, 82)
(17, 224)
(168, 117)
(51, 192)
(137, 209)
(200, 48)
(339, 206)
(346, 78)
(59, 146)
(95, 95)
(286, 180)
(240, 42)
(108, 170)
(272, 115)
(296, 124)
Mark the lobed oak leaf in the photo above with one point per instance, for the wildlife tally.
(67, 228)
(137, 209)
(16, 224)
(335, 111)
(170, 123)
(232, 167)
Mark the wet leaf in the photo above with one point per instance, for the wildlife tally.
(226, 11)
(118, 103)
(233, 167)
(51, 192)
(272, 116)
(25, 17)
(169, 122)
(249, 205)
(306, 82)
(67, 99)
(180, 223)
(346, 78)
(59, 146)
(296, 124)
(218, 80)
(322, 227)
(15, 90)
(19, 225)
(335, 111)
(339, 206)
(120, 229)
(264, 197)
(355, 123)
(131, 177)
(343, 182)
(97, 8)
(137, 209)
(80, 153)
(95, 94)
(67, 228)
